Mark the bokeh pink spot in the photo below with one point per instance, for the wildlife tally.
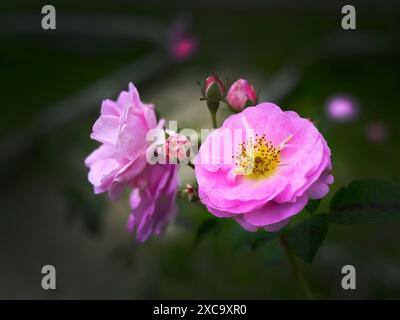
(181, 43)
(342, 108)
(377, 132)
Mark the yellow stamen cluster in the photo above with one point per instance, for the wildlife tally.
(257, 159)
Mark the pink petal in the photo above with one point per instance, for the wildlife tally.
(272, 212)
(105, 129)
(110, 108)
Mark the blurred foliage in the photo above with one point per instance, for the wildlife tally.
(366, 201)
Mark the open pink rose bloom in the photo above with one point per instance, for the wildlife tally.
(121, 162)
(278, 161)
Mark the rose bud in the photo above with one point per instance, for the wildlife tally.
(176, 147)
(213, 92)
(241, 94)
(213, 89)
(189, 192)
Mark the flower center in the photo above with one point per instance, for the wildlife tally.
(257, 159)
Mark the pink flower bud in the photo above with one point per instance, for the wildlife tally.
(189, 192)
(241, 94)
(176, 147)
(213, 89)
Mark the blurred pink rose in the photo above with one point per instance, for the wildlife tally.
(240, 94)
(121, 161)
(271, 176)
(121, 128)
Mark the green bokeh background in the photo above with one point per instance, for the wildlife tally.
(50, 216)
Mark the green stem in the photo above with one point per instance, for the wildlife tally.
(213, 107)
(190, 165)
(296, 269)
(214, 119)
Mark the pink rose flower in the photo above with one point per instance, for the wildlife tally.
(240, 94)
(121, 161)
(271, 176)
(121, 128)
(153, 200)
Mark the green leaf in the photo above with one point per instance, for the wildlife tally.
(208, 226)
(366, 201)
(313, 205)
(305, 238)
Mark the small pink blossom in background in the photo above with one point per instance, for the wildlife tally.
(291, 164)
(240, 94)
(184, 48)
(377, 132)
(182, 45)
(342, 108)
(120, 161)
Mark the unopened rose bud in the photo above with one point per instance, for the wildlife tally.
(189, 192)
(213, 92)
(176, 147)
(241, 94)
(213, 89)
